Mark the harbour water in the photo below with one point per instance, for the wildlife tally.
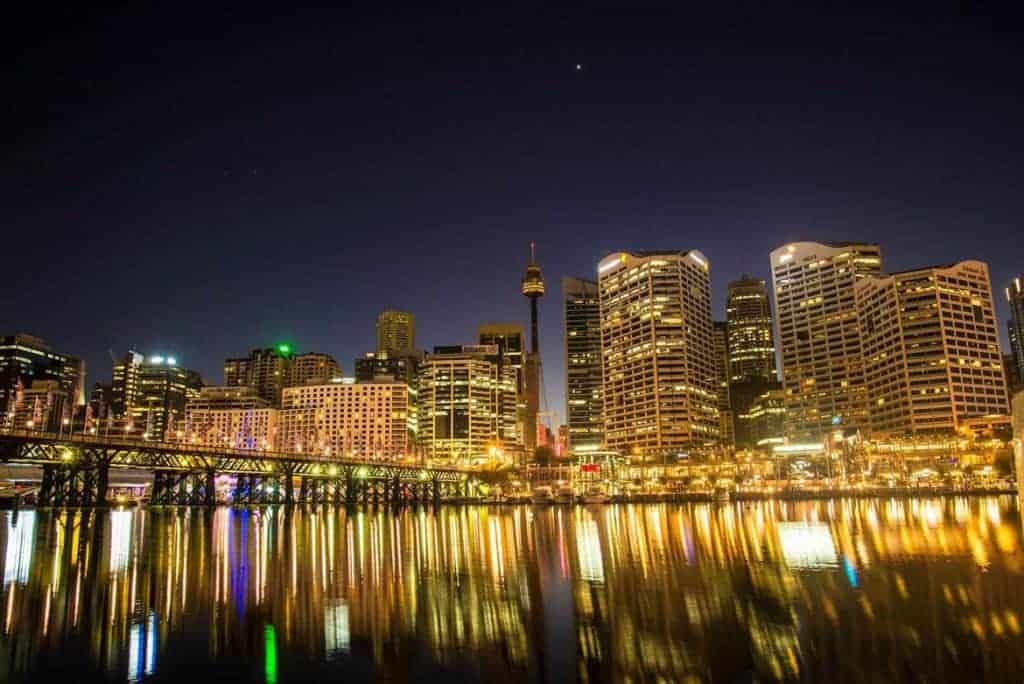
(835, 591)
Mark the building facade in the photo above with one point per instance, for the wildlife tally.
(819, 334)
(763, 423)
(467, 404)
(1015, 325)
(584, 405)
(508, 341)
(25, 360)
(931, 349)
(396, 333)
(346, 419)
(232, 417)
(658, 354)
(748, 315)
(726, 435)
(150, 394)
(268, 370)
(312, 368)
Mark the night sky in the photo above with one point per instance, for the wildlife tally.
(199, 183)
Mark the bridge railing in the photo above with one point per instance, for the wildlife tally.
(192, 448)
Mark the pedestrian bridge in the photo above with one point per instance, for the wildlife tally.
(76, 471)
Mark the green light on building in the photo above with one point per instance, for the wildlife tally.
(284, 349)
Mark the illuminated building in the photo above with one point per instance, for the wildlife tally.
(396, 333)
(1014, 382)
(749, 321)
(725, 415)
(467, 403)
(508, 339)
(368, 420)
(931, 348)
(150, 394)
(267, 370)
(658, 353)
(532, 287)
(1015, 326)
(40, 407)
(819, 335)
(236, 417)
(763, 420)
(584, 410)
(24, 360)
(312, 368)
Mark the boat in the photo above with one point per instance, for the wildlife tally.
(542, 495)
(596, 494)
(565, 494)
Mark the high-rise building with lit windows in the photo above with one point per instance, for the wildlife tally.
(312, 368)
(343, 418)
(748, 315)
(819, 334)
(150, 395)
(509, 341)
(726, 433)
(467, 406)
(931, 348)
(268, 370)
(658, 353)
(25, 360)
(396, 333)
(1015, 326)
(584, 407)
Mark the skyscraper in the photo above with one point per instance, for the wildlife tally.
(726, 434)
(532, 287)
(931, 348)
(508, 340)
(658, 353)
(26, 359)
(312, 368)
(150, 394)
(819, 334)
(268, 370)
(463, 413)
(1015, 326)
(751, 340)
(396, 333)
(584, 407)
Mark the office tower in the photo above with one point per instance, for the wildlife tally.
(931, 348)
(373, 366)
(312, 368)
(101, 403)
(584, 408)
(396, 333)
(508, 339)
(345, 419)
(819, 334)
(267, 370)
(532, 287)
(751, 340)
(465, 406)
(763, 422)
(230, 417)
(1015, 326)
(657, 344)
(149, 394)
(726, 435)
(24, 360)
(1014, 382)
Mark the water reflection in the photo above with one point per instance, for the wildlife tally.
(844, 590)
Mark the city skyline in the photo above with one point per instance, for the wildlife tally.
(273, 181)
